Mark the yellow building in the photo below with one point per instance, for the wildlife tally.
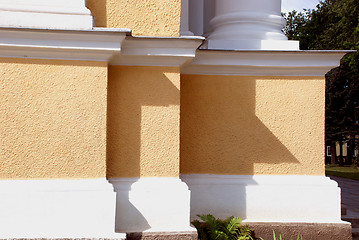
(135, 116)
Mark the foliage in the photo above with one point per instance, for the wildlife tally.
(345, 172)
(333, 25)
(215, 229)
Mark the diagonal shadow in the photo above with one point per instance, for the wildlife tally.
(140, 105)
(222, 134)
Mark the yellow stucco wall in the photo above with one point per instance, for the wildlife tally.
(145, 17)
(52, 119)
(143, 121)
(252, 125)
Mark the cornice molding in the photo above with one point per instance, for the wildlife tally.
(114, 46)
(152, 51)
(94, 45)
(118, 47)
(263, 63)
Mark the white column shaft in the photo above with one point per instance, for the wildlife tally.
(249, 25)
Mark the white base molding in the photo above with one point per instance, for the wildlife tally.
(265, 198)
(253, 44)
(152, 205)
(57, 209)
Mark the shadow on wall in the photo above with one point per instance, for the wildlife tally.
(143, 130)
(222, 134)
(220, 130)
(229, 126)
(143, 122)
(98, 11)
(128, 217)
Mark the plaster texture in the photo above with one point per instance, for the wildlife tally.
(143, 121)
(145, 18)
(52, 119)
(252, 125)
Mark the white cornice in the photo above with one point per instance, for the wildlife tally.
(152, 51)
(263, 63)
(118, 47)
(115, 46)
(92, 45)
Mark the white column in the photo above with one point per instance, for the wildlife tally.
(249, 25)
(47, 14)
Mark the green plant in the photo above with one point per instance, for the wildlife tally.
(216, 229)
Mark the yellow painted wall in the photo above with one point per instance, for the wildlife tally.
(252, 125)
(143, 121)
(145, 17)
(52, 119)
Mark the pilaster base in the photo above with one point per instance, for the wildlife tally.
(265, 198)
(152, 205)
(48, 209)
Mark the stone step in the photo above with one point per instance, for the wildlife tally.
(352, 217)
(355, 233)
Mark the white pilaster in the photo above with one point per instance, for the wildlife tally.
(265, 198)
(46, 14)
(152, 205)
(185, 19)
(249, 25)
(57, 209)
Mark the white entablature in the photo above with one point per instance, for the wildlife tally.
(45, 14)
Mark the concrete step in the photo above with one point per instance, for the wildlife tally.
(352, 217)
(355, 233)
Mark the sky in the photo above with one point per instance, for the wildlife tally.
(298, 5)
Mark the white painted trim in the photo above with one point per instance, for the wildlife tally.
(100, 44)
(54, 14)
(152, 204)
(184, 30)
(142, 51)
(265, 198)
(57, 209)
(246, 180)
(94, 45)
(263, 63)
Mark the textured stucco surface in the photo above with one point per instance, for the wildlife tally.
(52, 119)
(145, 17)
(143, 121)
(252, 125)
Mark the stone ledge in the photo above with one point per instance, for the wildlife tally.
(317, 231)
(190, 235)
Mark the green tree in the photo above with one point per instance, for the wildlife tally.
(333, 25)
